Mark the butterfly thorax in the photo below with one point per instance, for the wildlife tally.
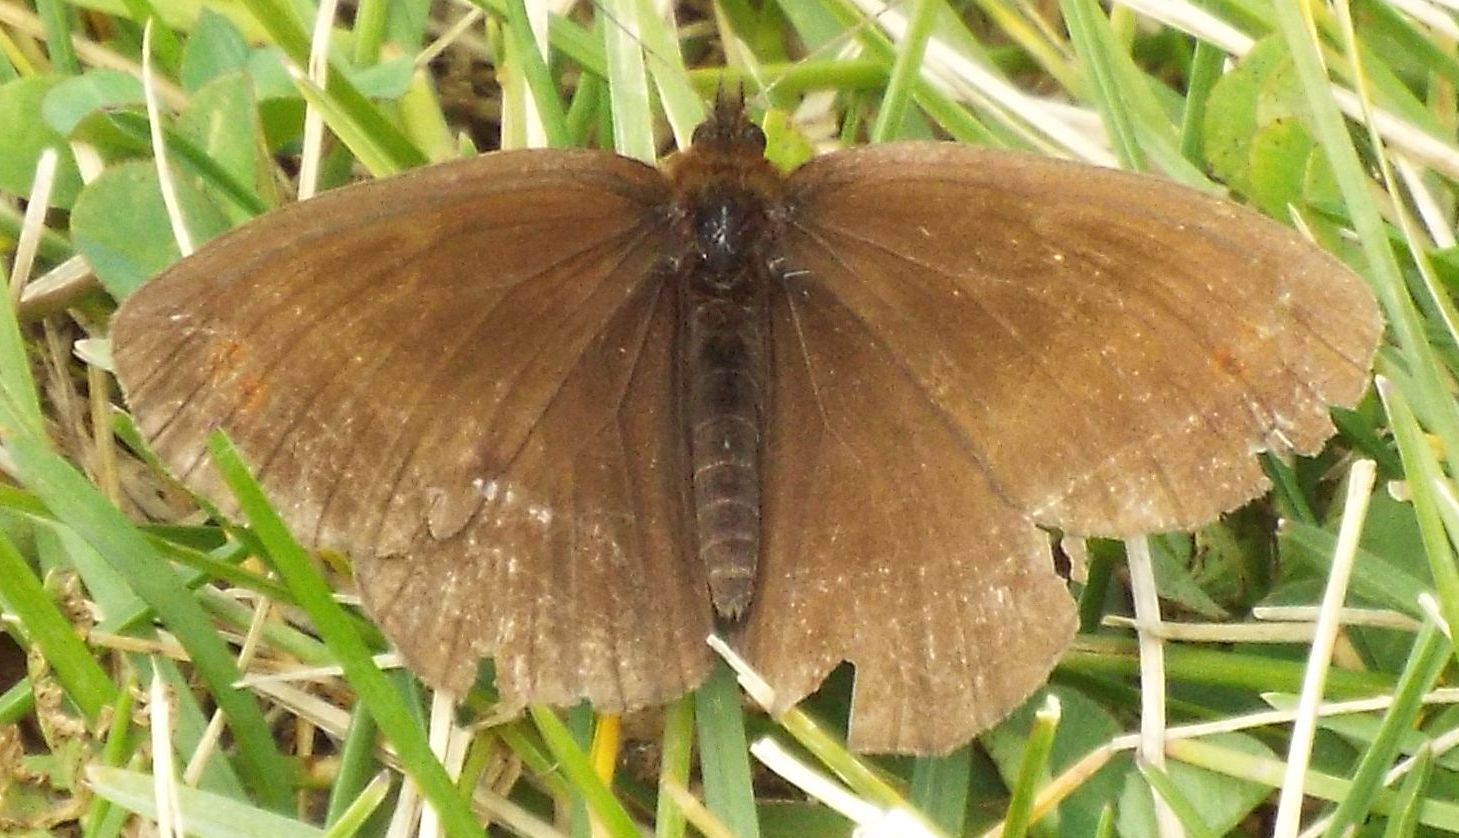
(727, 197)
(725, 215)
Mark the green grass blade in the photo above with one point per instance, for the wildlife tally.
(1184, 810)
(370, 17)
(361, 807)
(906, 70)
(674, 766)
(207, 815)
(628, 82)
(682, 104)
(940, 788)
(85, 682)
(1438, 813)
(56, 22)
(533, 67)
(1205, 70)
(1424, 474)
(73, 500)
(357, 137)
(329, 618)
(1032, 770)
(1085, 18)
(20, 408)
(357, 765)
(101, 817)
(724, 753)
(609, 814)
(1426, 661)
(1404, 822)
(279, 20)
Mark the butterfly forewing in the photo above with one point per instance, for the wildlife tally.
(344, 342)
(396, 360)
(1113, 348)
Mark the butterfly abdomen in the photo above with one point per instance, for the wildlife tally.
(725, 409)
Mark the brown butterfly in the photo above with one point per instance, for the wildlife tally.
(565, 409)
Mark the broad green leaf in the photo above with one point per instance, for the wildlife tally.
(24, 135)
(120, 225)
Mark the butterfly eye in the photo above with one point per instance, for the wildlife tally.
(703, 133)
(752, 136)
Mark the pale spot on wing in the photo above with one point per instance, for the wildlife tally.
(486, 488)
(504, 502)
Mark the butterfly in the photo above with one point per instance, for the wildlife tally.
(574, 413)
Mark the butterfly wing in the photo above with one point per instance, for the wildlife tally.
(433, 373)
(888, 545)
(580, 584)
(1115, 347)
(970, 343)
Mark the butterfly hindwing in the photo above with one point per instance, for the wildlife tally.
(887, 545)
(575, 574)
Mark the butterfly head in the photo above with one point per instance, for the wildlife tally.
(728, 130)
